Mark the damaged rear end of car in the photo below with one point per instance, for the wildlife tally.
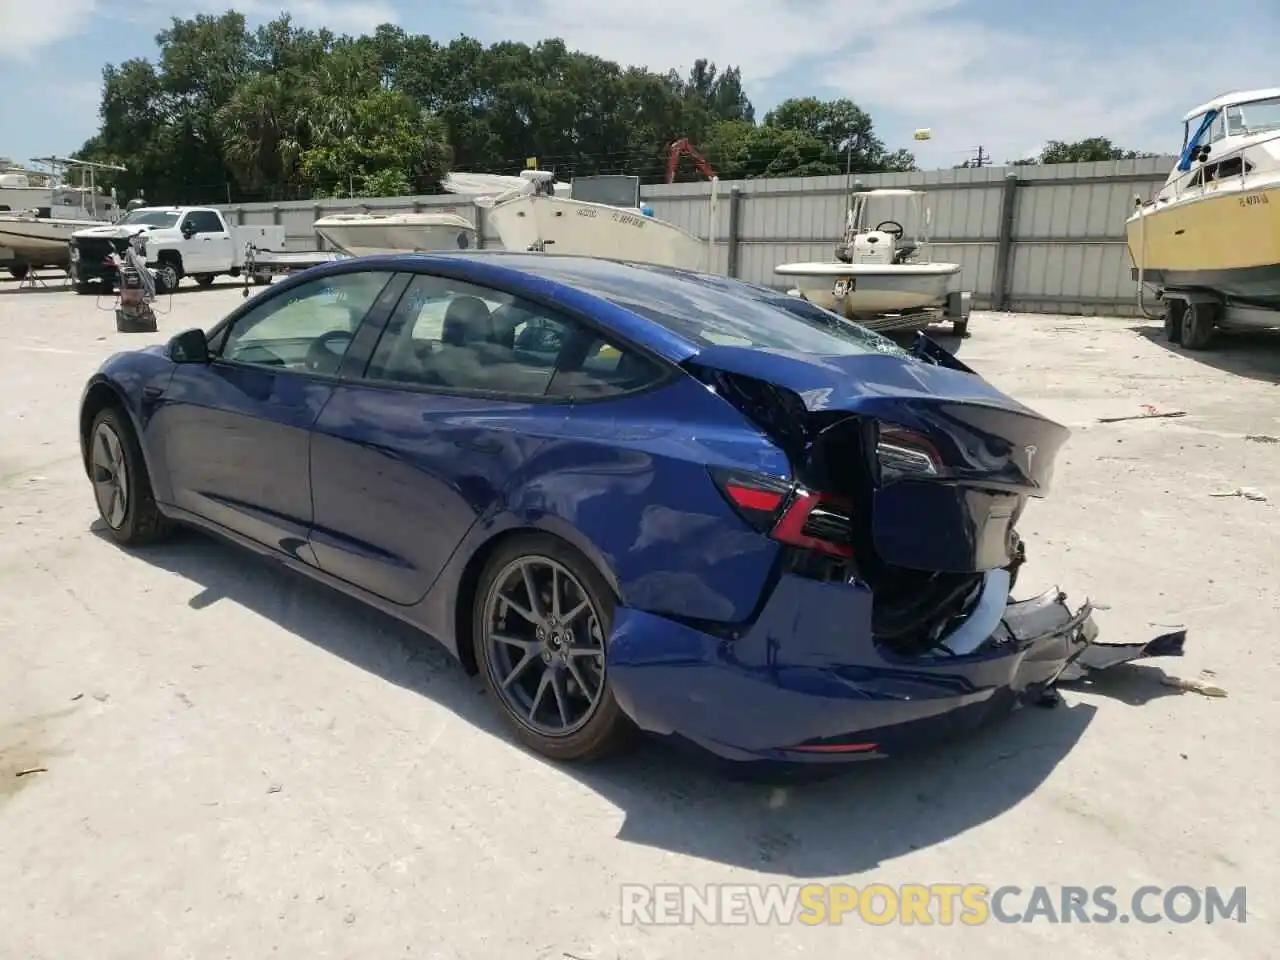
(889, 620)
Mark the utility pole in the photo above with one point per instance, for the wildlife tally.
(980, 158)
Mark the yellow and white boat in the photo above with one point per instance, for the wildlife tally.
(1213, 230)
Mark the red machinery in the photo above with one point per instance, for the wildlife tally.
(699, 161)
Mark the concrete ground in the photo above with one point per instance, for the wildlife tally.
(232, 762)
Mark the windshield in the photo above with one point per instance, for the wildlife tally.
(714, 311)
(1260, 116)
(151, 218)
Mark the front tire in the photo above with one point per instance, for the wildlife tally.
(121, 484)
(19, 272)
(541, 619)
(168, 275)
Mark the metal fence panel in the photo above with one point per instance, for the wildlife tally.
(1060, 246)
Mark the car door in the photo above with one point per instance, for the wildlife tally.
(197, 256)
(210, 248)
(406, 458)
(216, 235)
(235, 433)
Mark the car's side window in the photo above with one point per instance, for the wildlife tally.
(604, 370)
(306, 328)
(205, 221)
(458, 336)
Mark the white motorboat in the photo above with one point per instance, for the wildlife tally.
(531, 213)
(39, 213)
(876, 272)
(366, 234)
(1214, 226)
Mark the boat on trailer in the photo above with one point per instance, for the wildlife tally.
(879, 277)
(1209, 239)
(532, 212)
(367, 234)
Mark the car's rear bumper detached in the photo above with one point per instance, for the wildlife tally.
(807, 683)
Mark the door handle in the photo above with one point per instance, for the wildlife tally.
(152, 393)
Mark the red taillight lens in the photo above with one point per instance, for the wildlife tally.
(788, 513)
(757, 499)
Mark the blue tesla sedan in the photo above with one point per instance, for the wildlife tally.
(631, 498)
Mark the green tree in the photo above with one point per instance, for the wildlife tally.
(844, 128)
(1089, 150)
(383, 144)
(281, 112)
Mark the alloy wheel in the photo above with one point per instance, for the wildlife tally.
(110, 476)
(545, 646)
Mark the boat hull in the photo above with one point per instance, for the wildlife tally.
(38, 241)
(398, 234)
(1227, 241)
(561, 225)
(873, 290)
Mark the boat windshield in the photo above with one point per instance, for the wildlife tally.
(151, 218)
(1258, 116)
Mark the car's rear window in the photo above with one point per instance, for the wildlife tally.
(713, 311)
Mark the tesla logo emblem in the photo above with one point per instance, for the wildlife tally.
(1030, 450)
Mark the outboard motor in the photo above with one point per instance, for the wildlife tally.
(137, 287)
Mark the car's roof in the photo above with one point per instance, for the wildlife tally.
(560, 268)
(675, 312)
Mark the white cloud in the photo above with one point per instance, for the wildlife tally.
(764, 37)
(1011, 92)
(26, 28)
(924, 63)
(340, 16)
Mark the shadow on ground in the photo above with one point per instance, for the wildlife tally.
(674, 800)
(14, 288)
(1247, 353)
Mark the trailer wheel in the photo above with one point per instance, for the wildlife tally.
(1198, 325)
(1174, 310)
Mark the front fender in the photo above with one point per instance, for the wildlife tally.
(135, 382)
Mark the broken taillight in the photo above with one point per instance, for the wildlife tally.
(789, 513)
(901, 451)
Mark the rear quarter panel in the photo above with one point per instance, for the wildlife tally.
(626, 482)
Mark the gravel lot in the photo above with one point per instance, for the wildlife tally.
(240, 764)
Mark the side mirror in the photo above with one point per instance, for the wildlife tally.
(188, 231)
(190, 346)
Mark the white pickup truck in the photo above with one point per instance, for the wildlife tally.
(181, 242)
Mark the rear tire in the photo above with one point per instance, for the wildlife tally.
(19, 272)
(1174, 311)
(1198, 325)
(602, 727)
(122, 485)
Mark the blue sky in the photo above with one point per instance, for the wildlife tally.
(993, 72)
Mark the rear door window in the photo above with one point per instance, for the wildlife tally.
(455, 336)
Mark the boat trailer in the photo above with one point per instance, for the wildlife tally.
(261, 265)
(955, 311)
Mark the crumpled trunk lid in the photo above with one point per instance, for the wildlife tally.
(936, 462)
